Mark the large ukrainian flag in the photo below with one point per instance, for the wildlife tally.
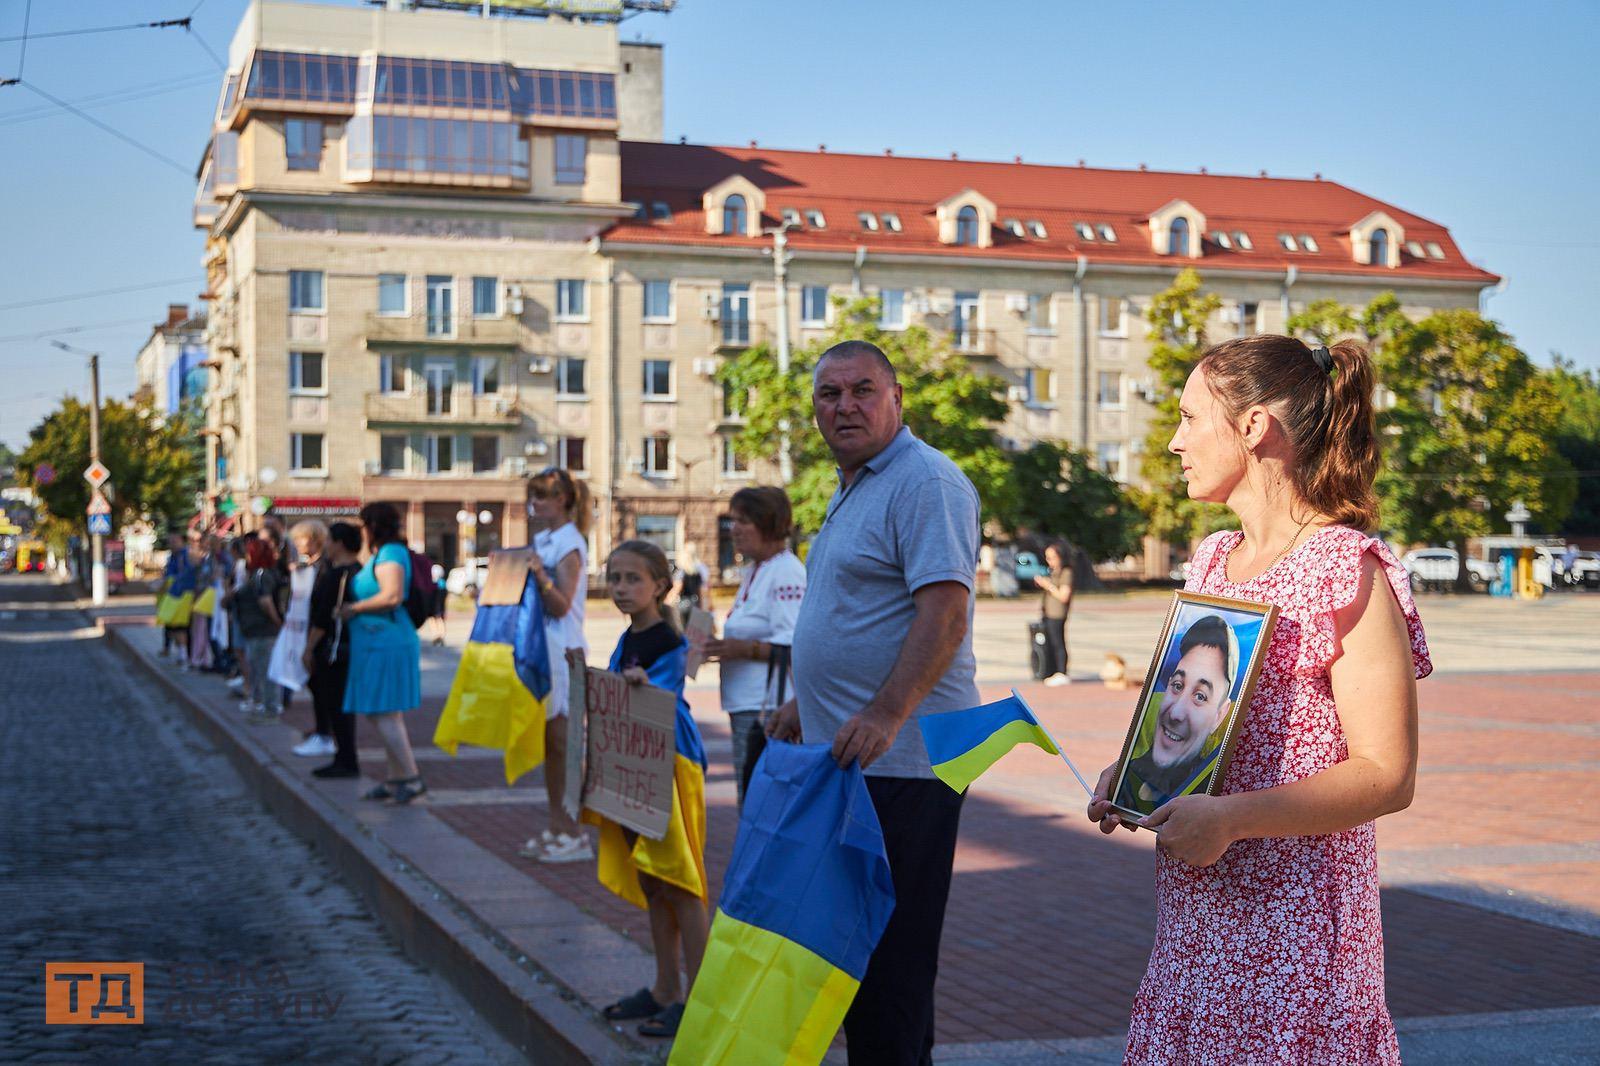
(680, 857)
(501, 688)
(807, 896)
(963, 744)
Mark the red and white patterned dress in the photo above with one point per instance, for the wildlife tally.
(1275, 953)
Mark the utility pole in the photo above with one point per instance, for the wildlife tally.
(97, 543)
(780, 271)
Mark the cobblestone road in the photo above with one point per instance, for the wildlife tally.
(126, 837)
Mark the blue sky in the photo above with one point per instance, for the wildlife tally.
(1479, 115)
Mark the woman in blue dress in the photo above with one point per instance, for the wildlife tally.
(385, 655)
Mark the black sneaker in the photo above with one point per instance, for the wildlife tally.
(335, 770)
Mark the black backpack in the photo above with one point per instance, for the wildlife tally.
(421, 591)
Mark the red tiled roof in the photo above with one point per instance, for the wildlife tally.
(842, 185)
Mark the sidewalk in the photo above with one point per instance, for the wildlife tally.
(1489, 903)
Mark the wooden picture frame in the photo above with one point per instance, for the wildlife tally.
(1183, 732)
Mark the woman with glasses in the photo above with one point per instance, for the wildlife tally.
(559, 513)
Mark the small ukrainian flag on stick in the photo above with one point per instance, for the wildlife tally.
(963, 744)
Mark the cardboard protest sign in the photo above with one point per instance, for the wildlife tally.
(508, 572)
(700, 628)
(577, 732)
(632, 749)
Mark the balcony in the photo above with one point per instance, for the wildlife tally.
(975, 343)
(457, 408)
(429, 330)
(734, 336)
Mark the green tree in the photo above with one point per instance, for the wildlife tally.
(157, 464)
(1469, 430)
(1324, 321)
(1059, 492)
(1177, 319)
(1578, 440)
(946, 404)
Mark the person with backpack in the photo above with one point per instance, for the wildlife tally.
(384, 609)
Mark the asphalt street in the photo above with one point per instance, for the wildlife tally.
(126, 837)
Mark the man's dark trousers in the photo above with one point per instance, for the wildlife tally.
(891, 1021)
(327, 698)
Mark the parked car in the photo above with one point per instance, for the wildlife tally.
(1438, 568)
(1550, 568)
(472, 576)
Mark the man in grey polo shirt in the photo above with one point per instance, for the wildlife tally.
(885, 635)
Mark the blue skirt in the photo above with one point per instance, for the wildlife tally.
(385, 670)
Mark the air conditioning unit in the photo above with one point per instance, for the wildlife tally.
(538, 448)
(705, 367)
(1017, 302)
(516, 466)
(514, 299)
(711, 307)
(541, 365)
(372, 467)
(1017, 394)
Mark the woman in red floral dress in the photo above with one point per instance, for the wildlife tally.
(1269, 940)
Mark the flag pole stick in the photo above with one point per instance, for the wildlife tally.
(1059, 749)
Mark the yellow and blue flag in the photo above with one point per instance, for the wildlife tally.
(963, 744)
(501, 689)
(806, 898)
(679, 858)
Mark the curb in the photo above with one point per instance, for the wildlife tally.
(431, 926)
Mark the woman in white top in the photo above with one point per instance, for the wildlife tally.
(559, 511)
(286, 668)
(754, 649)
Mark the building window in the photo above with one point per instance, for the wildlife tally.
(570, 454)
(1036, 228)
(306, 372)
(393, 453)
(660, 530)
(302, 143)
(967, 225)
(658, 301)
(305, 291)
(1415, 248)
(572, 151)
(1242, 239)
(733, 464)
(868, 220)
(658, 456)
(814, 305)
(570, 376)
(305, 453)
(660, 211)
(1288, 243)
(441, 305)
(1434, 251)
(735, 313)
(440, 376)
(485, 454)
(658, 378)
(485, 374)
(1222, 239)
(1085, 231)
(572, 300)
(816, 219)
(486, 297)
(892, 313)
(1108, 234)
(392, 294)
(791, 216)
(441, 453)
(391, 374)
(1309, 243)
(1249, 319)
(1111, 314)
(1178, 237)
(733, 215)
(1039, 312)
(1378, 248)
(1041, 384)
(1109, 456)
(734, 402)
(891, 222)
(1110, 393)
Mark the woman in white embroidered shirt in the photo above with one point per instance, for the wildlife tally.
(754, 649)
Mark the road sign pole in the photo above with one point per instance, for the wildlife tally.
(97, 543)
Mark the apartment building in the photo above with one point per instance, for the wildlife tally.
(171, 366)
(444, 252)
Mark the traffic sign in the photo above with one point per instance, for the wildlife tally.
(98, 504)
(44, 473)
(97, 474)
(100, 525)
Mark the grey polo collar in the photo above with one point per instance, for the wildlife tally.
(902, 441)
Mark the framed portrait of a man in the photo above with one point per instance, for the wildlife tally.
(1196, 693)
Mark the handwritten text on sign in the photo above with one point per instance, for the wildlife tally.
(632, 748)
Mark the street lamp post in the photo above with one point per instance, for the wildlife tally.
(780, 272)
(97, 543)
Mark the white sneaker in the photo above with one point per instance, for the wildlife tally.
(568, 849)
(246, 706)
(1057, 680)
(537, 846)
(236, 683)
(315, 744)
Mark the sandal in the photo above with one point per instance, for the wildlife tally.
(639, 1005)
(406, 791)
(664, 1024)
(380, 792)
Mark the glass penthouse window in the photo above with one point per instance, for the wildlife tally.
(300, 76)
(563, 93)
(421, 146)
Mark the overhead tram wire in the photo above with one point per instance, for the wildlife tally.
(119, 96)
(39, 335)
(160, 24)
(187, 172)
(22, 59)
(97, 292)
(201, 41)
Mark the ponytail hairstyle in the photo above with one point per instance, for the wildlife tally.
(655, 561)
(1323, 399)
(574, 492)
